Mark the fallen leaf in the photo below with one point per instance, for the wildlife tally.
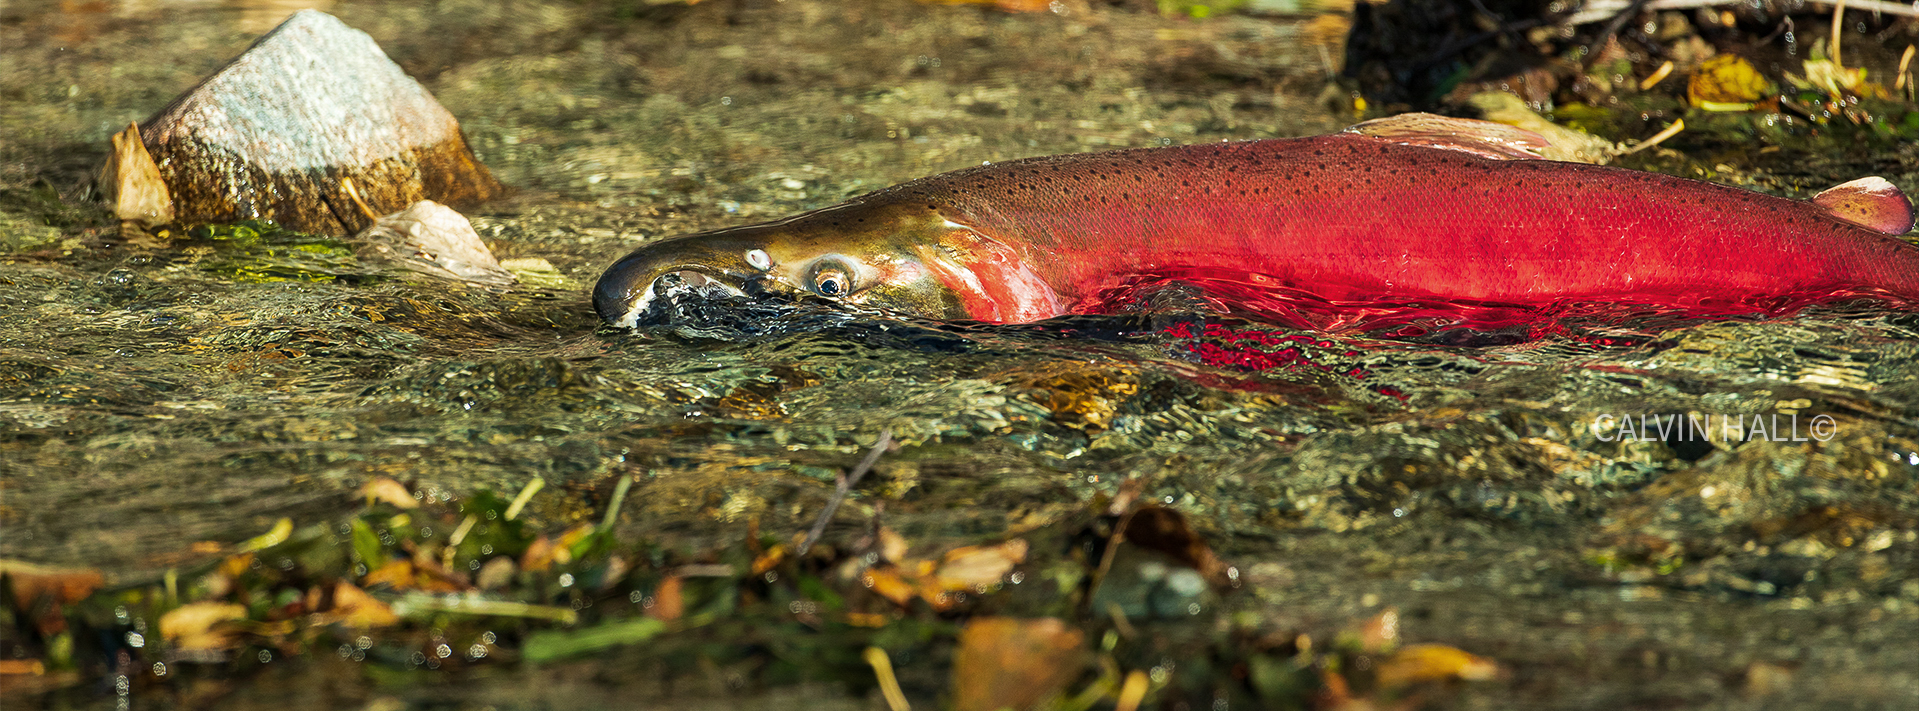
(973, 567)
(893, 546)
(1563, 143)
(1380, 633)
(355, 608)
(766, 561)
(1433, 662)
(888, 583)
(1165, 530)
(1726, 83)
(273, 537)
(1005, 662)
(1004, 5)
(389, 491)
(131, 181)
(668, 601)
(33, 667)
(495, 574)
(235, 565)
(198, 626)
(65, 585)
(539, 555)
(397, 574)
(1763, 679)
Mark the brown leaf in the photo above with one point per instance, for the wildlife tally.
(132, 182)
(668, 602)
(64, 585)
(1763, 679)
(539, 556)
(202, 625)
(973, 567)
(1165, 530)
(1380, 633)
(1005, 662)
(544, 553)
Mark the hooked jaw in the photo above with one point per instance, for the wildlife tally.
(623, 297)
(628, 290)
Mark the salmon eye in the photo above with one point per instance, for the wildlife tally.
(831, 278)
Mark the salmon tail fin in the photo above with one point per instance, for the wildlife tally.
(1486, 139)
(1872, 203)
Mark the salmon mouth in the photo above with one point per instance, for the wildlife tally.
(660, 300)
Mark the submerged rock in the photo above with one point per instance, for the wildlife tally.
(312, 104)
(431, 238)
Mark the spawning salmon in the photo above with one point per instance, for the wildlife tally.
(1411, 210)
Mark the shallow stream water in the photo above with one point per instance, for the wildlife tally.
(152, 398)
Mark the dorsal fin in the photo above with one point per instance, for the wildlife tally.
(1872, 203)
(1482, 138)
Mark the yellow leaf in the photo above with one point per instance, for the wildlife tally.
(887, 583)
(1433, 662)
(193, 626)
(1726, 79)
(398, 574)
(390, 491)
(359, 610)
(273, 537)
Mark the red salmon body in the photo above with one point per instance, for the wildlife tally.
(1389, 218)
(1354, 219)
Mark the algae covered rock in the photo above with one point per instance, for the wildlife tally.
(311, 113)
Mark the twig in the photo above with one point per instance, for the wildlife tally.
(1905, 58)
(1676, 127)
(841, 486)
(1114, 540)
(347, 184)
(416, 603)
(1606, 9)
(1132, 691)
(1833, 47)
(526, 494)
(613, 507)
(1658, 74)
(883, 671)
(1620, 20)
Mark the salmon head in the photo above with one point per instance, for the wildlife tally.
(860, 254)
